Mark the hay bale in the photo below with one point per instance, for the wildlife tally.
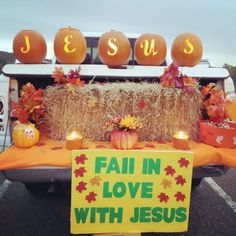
(164, 110)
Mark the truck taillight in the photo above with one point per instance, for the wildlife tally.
(1, 108)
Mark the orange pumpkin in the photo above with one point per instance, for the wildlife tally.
(124, 139)
(70, 46)
(114, 48)
(187, 50)
(150, 49)
(25, 135)
(230, 110)
(29, 47)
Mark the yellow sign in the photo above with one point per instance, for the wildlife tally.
(130, 191)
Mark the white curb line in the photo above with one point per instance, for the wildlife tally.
(228, 200)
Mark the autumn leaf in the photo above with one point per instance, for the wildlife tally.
(56, 148)
(59, 76)
(80, 172)
(183, 162)
(91, 197)
(95, 180)
(81, 186)
(29, 105)
(142, 104)
(163, 197)
(180, 180)
(81, 159)
(170, 170)
(150, 145)
(166, 183)
(180, 196)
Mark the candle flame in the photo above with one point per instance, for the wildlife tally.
(181, 135)
(74, 135)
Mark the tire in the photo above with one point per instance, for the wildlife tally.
(37, 188)
(196, 182)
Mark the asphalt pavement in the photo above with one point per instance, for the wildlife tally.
(212, 209)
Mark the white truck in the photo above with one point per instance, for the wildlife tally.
(39, 179)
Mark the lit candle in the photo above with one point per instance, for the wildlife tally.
(181, 140)
(74, 140)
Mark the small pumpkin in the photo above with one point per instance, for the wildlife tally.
(187, 50)
(29, 47)
(114, 48)
(70, 46)
(150, 49)
(25, 135)
(124, 139)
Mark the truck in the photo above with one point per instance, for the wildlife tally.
(39, 179)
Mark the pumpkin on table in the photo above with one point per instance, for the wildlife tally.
(25, 135)
(124, 135)
(29, 47)
(124, 140)
(114, 48)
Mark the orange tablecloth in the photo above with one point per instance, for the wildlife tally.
(50, 152)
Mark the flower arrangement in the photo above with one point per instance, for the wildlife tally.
(29, 107)
(72, 77)
(127, 123)
(123, 131)
(214, 103)
(216, 130)
(173, 77)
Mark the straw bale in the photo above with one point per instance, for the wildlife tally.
(167, 109)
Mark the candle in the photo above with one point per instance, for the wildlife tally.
(181, 140)
(74, 140)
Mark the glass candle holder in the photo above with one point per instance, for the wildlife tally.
(181, 140)
(74, 140)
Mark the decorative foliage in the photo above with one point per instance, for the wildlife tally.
(128, 122)
(73, 77)
(29, 106)
(172, 77)
(214, 102)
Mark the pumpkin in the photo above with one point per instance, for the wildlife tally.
(230, 110)
(29, 47)
(187, 50)
(114, 48)
(150, 49)
(70, 46)
(124, 139)
(25, 135)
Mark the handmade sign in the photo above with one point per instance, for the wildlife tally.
(130, 191)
